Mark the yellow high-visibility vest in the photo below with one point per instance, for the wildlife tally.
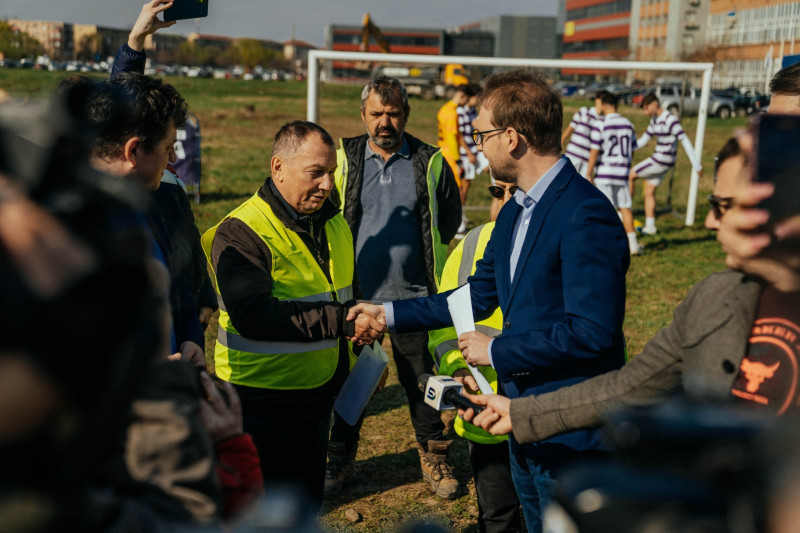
(297, 276)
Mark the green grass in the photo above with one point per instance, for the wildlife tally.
(239, 120)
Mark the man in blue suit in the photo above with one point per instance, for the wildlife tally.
(555, 265)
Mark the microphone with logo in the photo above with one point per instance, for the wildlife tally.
(444, 393)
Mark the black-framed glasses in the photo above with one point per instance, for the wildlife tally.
(480, 136)
(719, 205)
(499, 192)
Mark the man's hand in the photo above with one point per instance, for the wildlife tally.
(368, 329)
(191, 352)
(464, 376)
(148, 23)
(205, 316)
(496, 418)
(221, 417)
(741, 232)
(474, 347)
(369, 319)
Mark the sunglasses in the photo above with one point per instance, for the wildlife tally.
(719, 205)
(500, 192)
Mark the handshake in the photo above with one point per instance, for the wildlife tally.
(370, 322)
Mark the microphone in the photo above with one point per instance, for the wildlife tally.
(444, 393)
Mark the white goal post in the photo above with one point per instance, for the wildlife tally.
(315, 56)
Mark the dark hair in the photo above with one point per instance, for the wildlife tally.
(388, 90)
(523, 100)
(600, 94)
(468, 89)
(133, 105)
(610, 99)
(292, 134)
(729, 151)
(786, 81)
(648, 99)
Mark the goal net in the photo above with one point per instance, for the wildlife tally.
(316, 57)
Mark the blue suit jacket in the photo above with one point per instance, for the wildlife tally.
(563, 313)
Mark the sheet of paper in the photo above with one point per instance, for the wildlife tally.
(460, 305)
(360, 385)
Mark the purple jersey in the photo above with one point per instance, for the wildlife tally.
(616, 140)
(667, 131)
(580, 141)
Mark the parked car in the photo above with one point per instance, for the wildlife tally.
(748, 100)
(670, 98)
(568, 88)
(591, 89)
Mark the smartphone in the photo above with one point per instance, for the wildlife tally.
(186, 9)
(777, 152)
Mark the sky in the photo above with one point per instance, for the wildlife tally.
(274, 19)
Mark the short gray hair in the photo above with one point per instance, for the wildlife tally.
(388, 89)
(292, 134)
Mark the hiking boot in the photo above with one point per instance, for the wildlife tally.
(339, 468)
(436, 471)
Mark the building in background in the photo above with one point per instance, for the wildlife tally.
(56, 38)
(521, 37)
(667, 30)
(501, 36)
(748, 40)
(596, 30)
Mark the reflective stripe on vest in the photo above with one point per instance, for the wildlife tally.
(342, 295)
(434, 174)
(442, 349)
(276, 364)
(235, 341)
(468, 256)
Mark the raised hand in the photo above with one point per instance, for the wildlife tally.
(148, 23)
(496, 418)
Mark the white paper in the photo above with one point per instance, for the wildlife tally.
(360, 385)
(460, 305)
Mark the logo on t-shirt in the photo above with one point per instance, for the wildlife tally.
(768, 374)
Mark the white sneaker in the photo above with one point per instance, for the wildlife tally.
(649, 230)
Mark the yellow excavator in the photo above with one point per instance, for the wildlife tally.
(427, 82)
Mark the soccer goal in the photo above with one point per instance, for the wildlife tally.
(316, 56)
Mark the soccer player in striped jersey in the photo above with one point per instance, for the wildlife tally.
(613, 143)
(664, 126)
(579, 134)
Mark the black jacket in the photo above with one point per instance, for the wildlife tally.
(448, 196)
(187, 255)
(243, 266)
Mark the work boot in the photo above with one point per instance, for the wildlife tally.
(339, 467)
(436, 471)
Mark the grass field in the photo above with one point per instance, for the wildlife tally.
(239, 120)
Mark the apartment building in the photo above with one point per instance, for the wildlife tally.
(749, 40)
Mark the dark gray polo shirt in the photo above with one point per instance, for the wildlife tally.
(389, 252)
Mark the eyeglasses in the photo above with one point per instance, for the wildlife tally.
(480, 136)
(500, 192)
(719, 205)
